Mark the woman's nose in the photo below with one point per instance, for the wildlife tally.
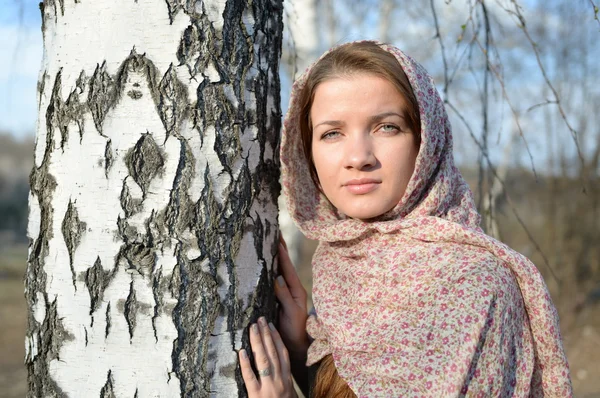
(359, 153)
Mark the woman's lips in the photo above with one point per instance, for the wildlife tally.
(362, 186)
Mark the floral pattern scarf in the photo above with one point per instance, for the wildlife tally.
(421, 302)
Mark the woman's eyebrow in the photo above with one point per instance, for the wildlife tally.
(330, 123)
(372, 119)
(381, 116)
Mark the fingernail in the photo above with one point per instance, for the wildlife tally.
(263, 321)
(254, 328)
(271, 326)
(244, 353)
(280, 281)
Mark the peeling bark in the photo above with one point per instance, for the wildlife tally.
(107, 390)
(102, 95)
(158, 156)
(145, 161)
(72, 229)
(131, 309)
(97, 280)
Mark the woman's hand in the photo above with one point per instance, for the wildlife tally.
(292, 312)
(272, 361)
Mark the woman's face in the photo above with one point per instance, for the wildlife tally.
(362, 146)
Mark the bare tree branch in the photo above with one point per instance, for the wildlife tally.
(595, 11)
(522, 25)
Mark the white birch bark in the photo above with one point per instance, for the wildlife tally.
(153, 216)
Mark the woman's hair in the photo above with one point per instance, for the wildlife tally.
(328, 384)
(345, 61)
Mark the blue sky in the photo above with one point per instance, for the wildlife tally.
(20, 60)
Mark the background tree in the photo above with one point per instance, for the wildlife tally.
(153, 218)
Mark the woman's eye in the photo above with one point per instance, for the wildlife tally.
(329, 135)
(389, 128)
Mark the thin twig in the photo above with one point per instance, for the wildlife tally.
(438, 36)
(510, 105)
(547, 102)
(517, 13)
(595, 11)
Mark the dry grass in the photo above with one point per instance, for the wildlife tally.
(13, 379)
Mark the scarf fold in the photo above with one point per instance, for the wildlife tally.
(420, 302)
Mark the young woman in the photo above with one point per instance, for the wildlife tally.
(411, 297)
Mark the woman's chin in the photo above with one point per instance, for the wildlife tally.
(365, 214)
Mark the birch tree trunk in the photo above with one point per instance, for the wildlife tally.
(153, 217)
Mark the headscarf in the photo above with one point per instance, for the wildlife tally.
(420, 302)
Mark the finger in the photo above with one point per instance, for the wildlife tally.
(285, 297)
(269, 345)
(252, 384)
(282, 352)
(288, 271)
(260, 356)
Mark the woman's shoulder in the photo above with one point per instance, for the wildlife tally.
(479, 273)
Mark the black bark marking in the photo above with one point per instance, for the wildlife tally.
(72, 230)
(188, 6)
(180, 210)
(139, 257)
(108, 157)
(108, 390)
(227, 141)
(102, 95)
(60, 114)
(42, 185)
(105, 91)
(240, 201)
(51, 336)
(173, 106)
(129, 205)
(53, 332)
(206, 224)
(108, 321)
(145, 161)
(41, 85)
(43, 8)
(175, 282)
(97, 280)
(195, 49)
(75, 107)
(131, 309)
(194, 317)
(128, 234)
(157, 293)
(134, 70)
(134, 94)
(51, 4)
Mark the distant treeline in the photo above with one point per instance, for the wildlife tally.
(16, 160)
